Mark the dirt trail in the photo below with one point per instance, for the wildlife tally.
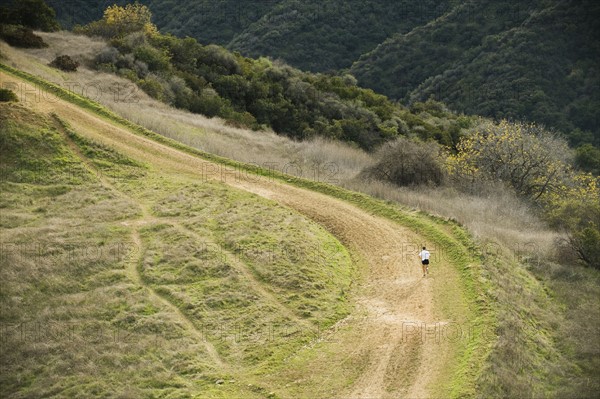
(393, 294)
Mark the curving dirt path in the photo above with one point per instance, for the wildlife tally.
(392, 296)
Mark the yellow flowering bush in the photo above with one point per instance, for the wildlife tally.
(537, 165)
(575, 208)
(528, 158)
(118, 22)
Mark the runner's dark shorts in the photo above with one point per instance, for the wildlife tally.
(425, 262)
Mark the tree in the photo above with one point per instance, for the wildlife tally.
(525, 156)
(537, 165)
(129, 19)
(118, 22)
(34, 14)
(575, 209)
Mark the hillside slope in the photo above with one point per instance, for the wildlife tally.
(329, 36)
(285, 29)
(531, 60)
(536, 60)
(159, 278)
(547, 313)
(195, 280)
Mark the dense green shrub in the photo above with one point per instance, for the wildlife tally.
(588, 158)
(7, 95)
(21, 36)
(33, 14)
(155, 59)
(152, 86)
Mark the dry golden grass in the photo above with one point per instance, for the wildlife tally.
(318, 159)
(498, 218)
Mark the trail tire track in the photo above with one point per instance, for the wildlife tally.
(134, 262)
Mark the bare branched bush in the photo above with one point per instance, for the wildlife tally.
(408, 163)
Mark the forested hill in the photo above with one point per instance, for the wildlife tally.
(312, 35)
(534, 60)
(321, 35)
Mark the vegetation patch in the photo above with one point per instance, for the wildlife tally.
(65, 63)
(69, 259)
(21, 36)
(357, 199)
(7, 95)
(254, 93)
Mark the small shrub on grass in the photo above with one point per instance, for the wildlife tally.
(65, 63)
(152, 86)
(7, 95)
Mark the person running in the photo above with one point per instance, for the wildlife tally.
(424, 254)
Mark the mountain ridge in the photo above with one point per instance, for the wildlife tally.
(477, 57)
(500, 73)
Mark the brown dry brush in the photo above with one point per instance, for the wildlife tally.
(405, 162)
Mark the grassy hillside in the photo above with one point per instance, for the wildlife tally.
(536, 301)
(336, 369)
(157, 277)
(257, 93)
(531, 325)
(533, 60)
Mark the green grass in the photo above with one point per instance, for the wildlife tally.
(69, 307)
